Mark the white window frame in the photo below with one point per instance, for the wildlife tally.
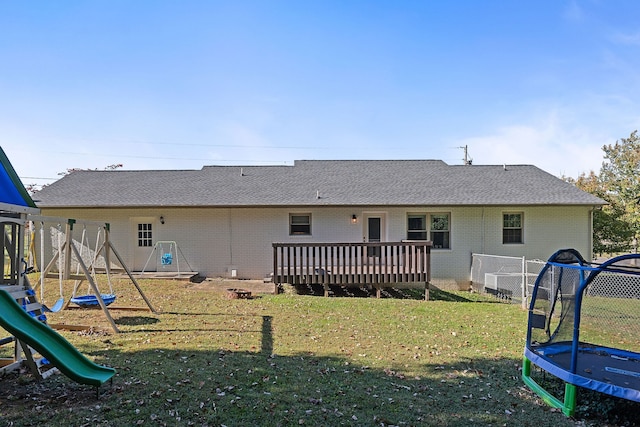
(447, 231)
(506, 228)
(292, 225)
(429, 231)
(423, 230)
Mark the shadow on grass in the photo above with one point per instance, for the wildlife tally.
(358, 292)
(218, 386)
(221, 387)
(136, 320)
(265, 331)
(395, 293)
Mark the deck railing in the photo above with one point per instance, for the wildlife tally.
(377, 264)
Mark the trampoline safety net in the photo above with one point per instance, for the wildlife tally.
(584, 322)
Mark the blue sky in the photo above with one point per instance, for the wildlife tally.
(156, 84)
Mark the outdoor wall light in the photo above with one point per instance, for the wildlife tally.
(354, 219)
(161, 219)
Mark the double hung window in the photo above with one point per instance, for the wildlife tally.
(300, 224)
(433, 226)
(512, 227)
(439, 230)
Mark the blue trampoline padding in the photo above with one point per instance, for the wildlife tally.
(581, 380)
(92, 300)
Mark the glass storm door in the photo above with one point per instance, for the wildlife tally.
(374, 234)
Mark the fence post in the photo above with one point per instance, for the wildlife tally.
(524, 283)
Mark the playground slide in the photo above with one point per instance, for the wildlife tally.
(51, 345)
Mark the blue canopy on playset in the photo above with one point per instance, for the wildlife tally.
(12, 190)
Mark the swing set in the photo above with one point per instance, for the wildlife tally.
(73, 258)
(36, 346)
(166, 255)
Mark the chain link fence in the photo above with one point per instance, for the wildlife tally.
(610, 309)
(509, 279)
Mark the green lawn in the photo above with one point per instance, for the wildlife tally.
(287, 359)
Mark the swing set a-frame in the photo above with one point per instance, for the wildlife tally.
(36, 345)
(70, 252)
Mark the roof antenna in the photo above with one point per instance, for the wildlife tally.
(467, 160)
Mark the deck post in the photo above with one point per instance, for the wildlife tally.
(275, 277)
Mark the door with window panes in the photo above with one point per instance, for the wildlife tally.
(143, 233)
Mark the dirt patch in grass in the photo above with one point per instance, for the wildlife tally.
(222, 285)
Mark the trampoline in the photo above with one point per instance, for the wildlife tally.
(582, 327)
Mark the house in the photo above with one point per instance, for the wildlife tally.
(225, 219)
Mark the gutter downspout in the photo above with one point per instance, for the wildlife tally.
(482, 242)
(590, 243)
(230, 225)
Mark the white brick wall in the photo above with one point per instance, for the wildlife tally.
(216, 240)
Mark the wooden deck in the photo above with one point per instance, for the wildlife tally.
(380, 265)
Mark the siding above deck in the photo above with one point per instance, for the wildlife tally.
(317, 183)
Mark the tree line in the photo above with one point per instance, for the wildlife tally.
(616, 226)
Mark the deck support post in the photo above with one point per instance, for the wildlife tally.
(426, 291)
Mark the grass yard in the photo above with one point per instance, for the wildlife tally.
(280, 360)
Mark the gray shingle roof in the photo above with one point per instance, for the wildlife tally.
(337, 182)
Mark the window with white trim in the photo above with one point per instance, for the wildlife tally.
(416, 227)
(145, 236)
(300, 224)
(439, 230)
(512, 228)
(434, 227)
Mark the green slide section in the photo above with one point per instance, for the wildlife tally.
(50, 344)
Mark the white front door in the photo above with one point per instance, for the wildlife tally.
(143, 237)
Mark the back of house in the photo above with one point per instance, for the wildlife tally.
(225, 219)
